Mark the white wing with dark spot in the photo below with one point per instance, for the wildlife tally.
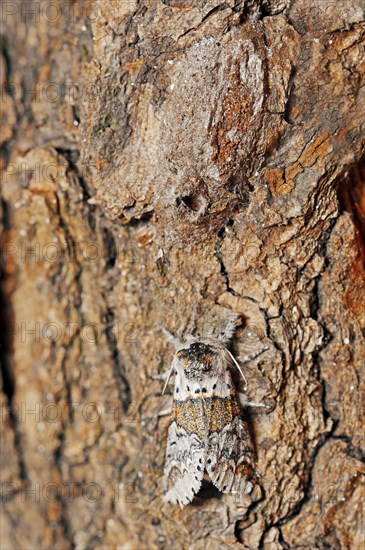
(184, 466)
(230, 459)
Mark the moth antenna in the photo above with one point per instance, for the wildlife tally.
(167, 379)
(239, 368)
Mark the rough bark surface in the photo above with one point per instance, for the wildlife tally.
(170, 162)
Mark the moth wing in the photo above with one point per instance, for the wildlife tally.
(230, 459)
(230, 456)
(183, 466)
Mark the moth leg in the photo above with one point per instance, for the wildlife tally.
(248, 358)
(163, 376)
(265, 407)
(166, 406)
(164, 412)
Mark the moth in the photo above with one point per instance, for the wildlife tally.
(207, 432)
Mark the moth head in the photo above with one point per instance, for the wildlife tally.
(200, 360)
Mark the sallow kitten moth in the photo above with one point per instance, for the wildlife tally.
(207, 430)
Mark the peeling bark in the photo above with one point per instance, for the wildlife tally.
(169, 163)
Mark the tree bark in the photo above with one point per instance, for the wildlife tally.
(174, 162)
